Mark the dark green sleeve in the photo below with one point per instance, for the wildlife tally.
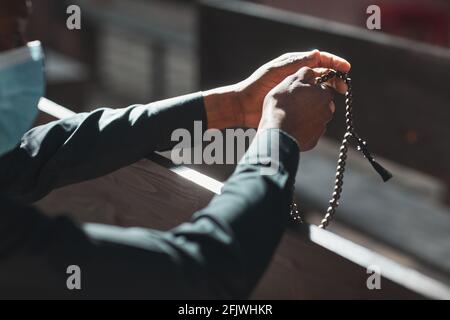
(89, 145)
(236, 235)
(221, 253)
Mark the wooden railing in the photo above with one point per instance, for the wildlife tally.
(310, 263)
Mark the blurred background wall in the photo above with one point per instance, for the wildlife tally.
(152, 43)
(145, 37)
(423, 20)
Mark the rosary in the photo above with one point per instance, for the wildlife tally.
(361, 145)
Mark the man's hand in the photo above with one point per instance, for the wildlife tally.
(271, 74)
(13, 16)
(299, 107)
(241, 104)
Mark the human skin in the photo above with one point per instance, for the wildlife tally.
(242, 104)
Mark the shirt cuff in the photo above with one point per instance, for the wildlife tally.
(274, 150)
(185, 112)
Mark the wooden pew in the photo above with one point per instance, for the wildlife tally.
(310, 263)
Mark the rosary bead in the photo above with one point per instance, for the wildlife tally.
(333, 203)
(350, 132)
(336, 195)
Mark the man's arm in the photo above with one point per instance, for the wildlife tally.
(221, 253)
(89, 145)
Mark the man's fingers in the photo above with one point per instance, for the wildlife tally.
(308, 75)
(329, 99)
(331, 61)
(332, 107)
(290, 62)
(321, 59)
(336, 83)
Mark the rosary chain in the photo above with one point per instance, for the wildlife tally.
(340, 169)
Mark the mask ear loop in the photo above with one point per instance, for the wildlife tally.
(340, 169)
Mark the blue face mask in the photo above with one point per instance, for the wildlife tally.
(21, 87)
